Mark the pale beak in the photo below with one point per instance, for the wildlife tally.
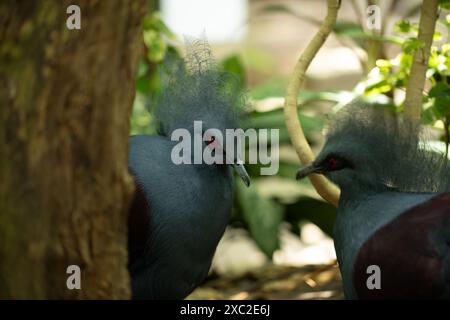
(238, 165)
(240, 169)
(306, 171)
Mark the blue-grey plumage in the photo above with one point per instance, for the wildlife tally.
(180, 211)
(189, 207)
(390, 185)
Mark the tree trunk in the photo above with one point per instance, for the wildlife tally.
(417, 75)
(65, 101)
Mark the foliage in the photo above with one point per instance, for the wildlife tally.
(156, 36)
(262, 216)
(389, 77)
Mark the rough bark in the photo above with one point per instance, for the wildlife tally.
(65, 100)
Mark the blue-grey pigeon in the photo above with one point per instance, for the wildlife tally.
(392, 233)
(180, 211)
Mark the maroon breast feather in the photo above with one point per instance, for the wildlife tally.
(138, 225)
(409, 253)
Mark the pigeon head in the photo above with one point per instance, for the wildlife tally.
(346, 163)
(198, 97)
(371, 149)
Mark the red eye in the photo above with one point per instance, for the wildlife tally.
(332, 163)
(211, 140)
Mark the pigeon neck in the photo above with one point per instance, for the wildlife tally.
(358, 190)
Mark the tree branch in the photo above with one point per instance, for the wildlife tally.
(414, 88)
(326, 190)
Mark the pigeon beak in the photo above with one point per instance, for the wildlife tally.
(306, 171)
(239, 167)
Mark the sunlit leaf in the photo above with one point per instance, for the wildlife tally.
(403, 26)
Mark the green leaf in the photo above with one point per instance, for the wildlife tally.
(274, 119)
(321, 213)
(140, 122)
(271, 88)
(277, 88)
(262, 217)
(403, 26)
(411, 45)
(143, 85)
(355, 32)
(441, 94)
(437, 36)
(378, 87)
(154, 22)
(352, 31)
(430, 115)
(156, 46)
(233, 64)
(349, 29)
(382, 63)
(444, 4)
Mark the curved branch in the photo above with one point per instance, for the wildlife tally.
(414, 88)
(325, 189)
